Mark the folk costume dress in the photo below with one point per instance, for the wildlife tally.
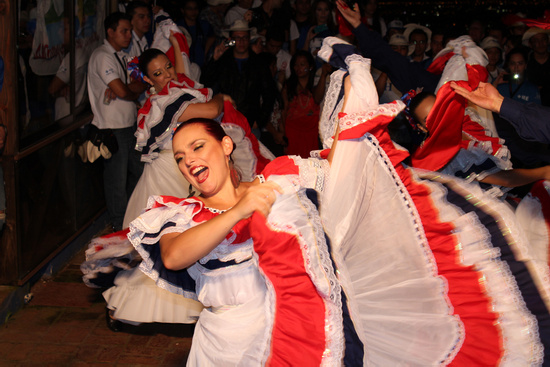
(269, 288)
(133, 297)
(434, 270)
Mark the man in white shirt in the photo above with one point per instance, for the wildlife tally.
(140, 16)
(112, 97)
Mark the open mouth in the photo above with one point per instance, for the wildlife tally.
(200, 173)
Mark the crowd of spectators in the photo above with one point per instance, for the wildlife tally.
(264, 55)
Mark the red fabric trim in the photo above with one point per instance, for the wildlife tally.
(232, 116)
(444, 123)
(182, 41)
(483, 340)
(477, 132)
(437, 66)
(281, 166)
(540, 191)
(298, 335)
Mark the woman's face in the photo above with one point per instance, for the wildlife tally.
(322, 12)
(301, 67)
(159, 72)
(517, 64)
(202, 159)
(423, 110)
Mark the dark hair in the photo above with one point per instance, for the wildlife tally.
(418, 31)
(133, 5)
(275, 33)
(330, 21)
(146, 57)
(212, 127)
(415, 101)
(522, 50)
(292, 82)
(111, 21)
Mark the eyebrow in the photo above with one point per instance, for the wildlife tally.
(189, 145)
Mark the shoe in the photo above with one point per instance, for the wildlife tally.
(112, 323)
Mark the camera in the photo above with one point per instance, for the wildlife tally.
(509, 77)
(229, 43)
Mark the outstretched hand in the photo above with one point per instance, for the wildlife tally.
(485, 96)
(353, 16)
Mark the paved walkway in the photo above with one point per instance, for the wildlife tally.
(64, 325)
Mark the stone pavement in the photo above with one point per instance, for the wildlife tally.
(64, 325)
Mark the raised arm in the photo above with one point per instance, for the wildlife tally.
(210, 109)
(178, 58)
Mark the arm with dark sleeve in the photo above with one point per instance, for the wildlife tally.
(531, 121)
(405, 75)
(210, 74)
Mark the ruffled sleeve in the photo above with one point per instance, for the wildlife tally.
(165, 214)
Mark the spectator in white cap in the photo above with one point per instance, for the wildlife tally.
(387, 92)
(493, 49)
(394, 27)
(419, 43)
(538, 66)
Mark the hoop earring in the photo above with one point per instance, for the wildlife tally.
(234, 174)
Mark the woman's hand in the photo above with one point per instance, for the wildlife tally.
(258, 197)
(353, 16)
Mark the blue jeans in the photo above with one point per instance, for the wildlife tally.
(121, 173)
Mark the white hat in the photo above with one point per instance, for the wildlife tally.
(490, 42)
(531, 32)
(218, 2)
(411, 27)
(396, 23)
(239, 26)
(398, 40)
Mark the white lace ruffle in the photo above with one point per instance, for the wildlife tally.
(358, 118)
(332, 105)
(159, 102)
(307, 228)
(518, 326)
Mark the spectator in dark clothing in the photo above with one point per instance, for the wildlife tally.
(202, 34)
(405, 75)
(270, 14)
(538, 66)
(241, 74)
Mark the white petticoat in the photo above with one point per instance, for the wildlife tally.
(135, 298)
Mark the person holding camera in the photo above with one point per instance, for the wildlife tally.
(237, 71)
(513, 83)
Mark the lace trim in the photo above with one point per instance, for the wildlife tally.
(498, 281)
(428, 257)
(156, 114)
(358, 118)
(314, 173)
(318, 265)
(331, 106)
